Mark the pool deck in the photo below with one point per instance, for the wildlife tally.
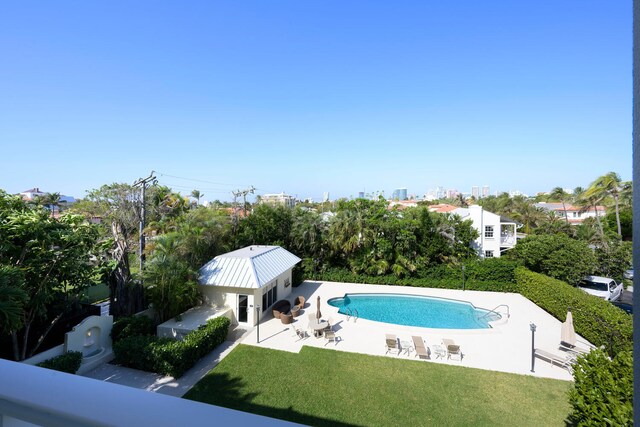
(506, 347)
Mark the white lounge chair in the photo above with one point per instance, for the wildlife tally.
(565, 361)
(453, 349)
(300, 333)
(330, 336)
(391, 343)
(422, 351)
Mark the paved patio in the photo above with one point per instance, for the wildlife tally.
(506, 347)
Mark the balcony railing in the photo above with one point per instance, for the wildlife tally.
(508, 240)
(36, 396)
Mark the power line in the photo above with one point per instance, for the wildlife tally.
(197, 180)
(185, 187)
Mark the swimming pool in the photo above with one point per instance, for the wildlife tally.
(415, 310)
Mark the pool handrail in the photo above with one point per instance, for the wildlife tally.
(494, 311)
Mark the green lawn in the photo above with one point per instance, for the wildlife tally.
(327, 387)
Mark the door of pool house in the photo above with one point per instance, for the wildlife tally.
(243, 308)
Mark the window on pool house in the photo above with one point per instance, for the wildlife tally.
(488, 231)
(269, 297)
(488, 254)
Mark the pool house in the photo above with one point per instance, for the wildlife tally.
(248, 281)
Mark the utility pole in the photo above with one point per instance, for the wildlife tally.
(235, 207)
(142, 183)
(244, 198)
(242, 193)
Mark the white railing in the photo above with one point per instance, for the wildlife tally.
(36, 396)
(509, 240)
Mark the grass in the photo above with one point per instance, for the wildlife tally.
(327, 387)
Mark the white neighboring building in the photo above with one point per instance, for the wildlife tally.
(32, 193)
(247, 278)
(496, 234)
(278, 199)
(574, 214)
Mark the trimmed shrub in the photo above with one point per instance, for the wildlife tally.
(602, 393)
(132, 326)
(136, 351)
(167, 356)
(69, 362)
(441, 277)
(595, 319)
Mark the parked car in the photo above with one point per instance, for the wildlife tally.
(628, 274)
(602, 287)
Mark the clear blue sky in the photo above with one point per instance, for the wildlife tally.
(313, 96)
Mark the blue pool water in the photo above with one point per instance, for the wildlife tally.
(413, 310)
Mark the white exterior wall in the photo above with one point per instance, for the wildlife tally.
(481, 219)
(219, 296)
(283, 291)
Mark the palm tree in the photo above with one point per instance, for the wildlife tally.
(559, 194)
(607, 185)
(52, 200)
(526, 213)
(587, 201)
(196, 194)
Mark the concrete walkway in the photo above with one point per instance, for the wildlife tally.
(162, 384)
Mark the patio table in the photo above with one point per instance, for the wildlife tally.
(318, 326)
(439, 351)
(406, 347)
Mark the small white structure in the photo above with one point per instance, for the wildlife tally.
(496, 234)
(247, 278)
(91, 337)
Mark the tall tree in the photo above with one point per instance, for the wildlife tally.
(196, 194)
(591, 200)
(118, 207)
(54, 257)
(12, 298)
(525, 212)
(606, 185)
(558, 193)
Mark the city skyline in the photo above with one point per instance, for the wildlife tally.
(314, 98)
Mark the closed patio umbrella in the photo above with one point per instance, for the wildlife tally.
(318, 314)
(567, 332)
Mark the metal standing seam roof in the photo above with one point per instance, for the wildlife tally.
(250, 267)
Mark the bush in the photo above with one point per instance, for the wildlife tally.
(557, 256)
(132, 326)
(69, 362)
(167, 356)
(136, 351)
(602, 393)
(443, 277)
(595, 319)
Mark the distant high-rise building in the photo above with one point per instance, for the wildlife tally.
(452, 193)
(399, 194)
(475, 192)
(325, 197)
(360, 194)
(485, 191)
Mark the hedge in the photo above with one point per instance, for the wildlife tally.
(167, 356)
(595, 319)
(446, 280)
(132, 326)
(69, 362)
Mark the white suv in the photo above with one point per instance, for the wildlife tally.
(602, 287)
